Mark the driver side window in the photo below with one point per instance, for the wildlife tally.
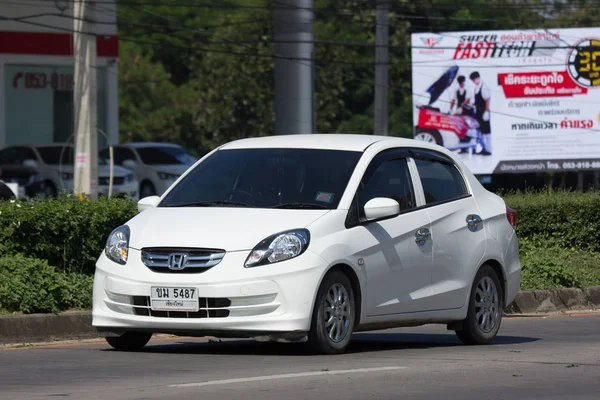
(391, 180)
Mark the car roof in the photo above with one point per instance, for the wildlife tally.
(325, 141)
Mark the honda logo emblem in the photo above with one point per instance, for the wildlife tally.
(177, 261)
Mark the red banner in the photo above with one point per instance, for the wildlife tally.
(539, 84)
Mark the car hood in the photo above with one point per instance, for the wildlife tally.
(230, 229)
(443, 83)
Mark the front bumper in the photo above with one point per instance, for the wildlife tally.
(234, 301)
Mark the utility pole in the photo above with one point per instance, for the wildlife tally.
(294, 72)
(84, 100)
(381, 68)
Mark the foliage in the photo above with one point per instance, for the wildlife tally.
(66, 232)
(30, 285)
(548, 266)
(566, 219)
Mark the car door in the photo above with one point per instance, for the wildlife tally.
(457, 231)
(396, 262)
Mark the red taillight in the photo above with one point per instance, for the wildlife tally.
(511, 215)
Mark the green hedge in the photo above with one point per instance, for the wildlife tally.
(569, 220)
(66, 232)
(29, 285)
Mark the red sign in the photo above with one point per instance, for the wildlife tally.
(539, 84)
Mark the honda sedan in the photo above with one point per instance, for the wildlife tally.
(310, 238)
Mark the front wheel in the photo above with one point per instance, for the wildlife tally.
(485, 309)
(129, 341)
(333, 316)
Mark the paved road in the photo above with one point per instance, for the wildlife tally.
(535, 358)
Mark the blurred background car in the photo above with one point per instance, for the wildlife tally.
(55, 165)
(5, 192)
(31, 184)
(155, 165)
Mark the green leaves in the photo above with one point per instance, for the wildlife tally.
(66, 232)
(30, 285)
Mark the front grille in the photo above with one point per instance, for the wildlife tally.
(105, 180)
(209, 308)
(194, 261)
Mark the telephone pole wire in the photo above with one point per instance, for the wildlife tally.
(381, 68)
(84, 100)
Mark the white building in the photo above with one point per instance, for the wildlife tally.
(36, 72)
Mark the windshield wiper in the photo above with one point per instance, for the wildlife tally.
(211, 203)
(308, 206)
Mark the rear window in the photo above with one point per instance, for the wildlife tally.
(441, 181)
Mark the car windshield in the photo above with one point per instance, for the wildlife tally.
(52, 154)
(55, 155)
(165, 155)
(266, 178)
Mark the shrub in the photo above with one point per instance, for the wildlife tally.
(30, 285)
(67, 232)
(569, 220)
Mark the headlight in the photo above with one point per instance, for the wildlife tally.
(117, 245)
(279, 247)
(66, 176)
(166, 176)
(129, 178)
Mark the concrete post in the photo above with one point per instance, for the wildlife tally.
(294, 76)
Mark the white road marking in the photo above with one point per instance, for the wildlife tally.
(285, 376)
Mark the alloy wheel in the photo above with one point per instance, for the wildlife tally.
(487, 305)
(337, 313)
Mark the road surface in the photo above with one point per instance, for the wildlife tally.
(532, 358)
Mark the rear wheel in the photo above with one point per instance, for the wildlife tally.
(129, 341)
(485, 309)
(333, 315)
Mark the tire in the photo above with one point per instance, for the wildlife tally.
(147, 189)
(130, 341)
(332, 339)
(429, 136)
(49, 190)
(474, 331)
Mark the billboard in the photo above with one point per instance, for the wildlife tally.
(510, 101)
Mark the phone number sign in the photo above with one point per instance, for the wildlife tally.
(42, 80)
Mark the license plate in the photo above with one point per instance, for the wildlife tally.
(174, 299)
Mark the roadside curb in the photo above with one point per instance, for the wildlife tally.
(555, 301)
(46, 327)
(75, 325)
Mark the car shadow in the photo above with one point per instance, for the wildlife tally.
(361, 343)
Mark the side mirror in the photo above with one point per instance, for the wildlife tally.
(148, 202)
(381, 207)
(30, 163)
(129, 164)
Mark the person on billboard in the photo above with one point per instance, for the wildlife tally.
(460, 97)
(481, 100)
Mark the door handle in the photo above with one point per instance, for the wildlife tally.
(474, 222)
(421, 236)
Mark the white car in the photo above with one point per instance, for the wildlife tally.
(311, 238)
(54, 163)
(156, 165)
